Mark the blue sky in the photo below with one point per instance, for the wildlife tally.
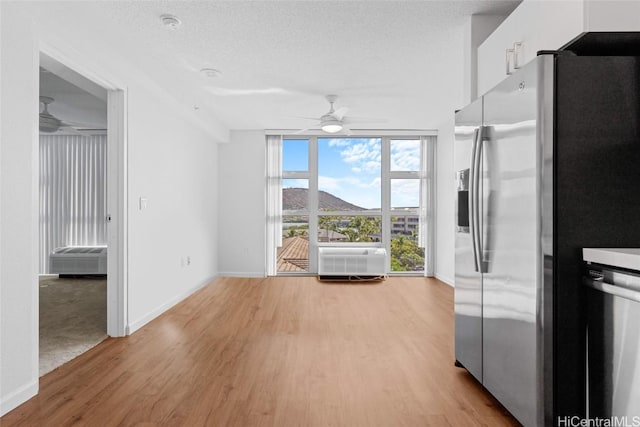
(349, 168)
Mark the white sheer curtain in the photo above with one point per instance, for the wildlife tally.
(274, 201)
(426, 223)
(73, 194)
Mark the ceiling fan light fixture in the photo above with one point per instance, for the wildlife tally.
(48, 123)
(331, 125)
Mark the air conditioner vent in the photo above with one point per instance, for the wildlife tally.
(78, 260)
(351, 263)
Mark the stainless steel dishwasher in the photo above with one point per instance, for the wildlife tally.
(613, 342)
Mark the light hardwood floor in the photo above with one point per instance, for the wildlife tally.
(276, 352)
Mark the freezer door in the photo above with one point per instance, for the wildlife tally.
(468, 281)
(510, 244)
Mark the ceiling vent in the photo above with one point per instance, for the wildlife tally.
(170, 21)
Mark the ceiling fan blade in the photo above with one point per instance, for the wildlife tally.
(75, 124)
(51, 124)
(340, 113)
(302, 117)
(80, 126)
(84, 132)
(346, 130)
(364, 120)
(71, 129)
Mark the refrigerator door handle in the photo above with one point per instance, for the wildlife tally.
(473, 200)
(474, 195)
(477, 194)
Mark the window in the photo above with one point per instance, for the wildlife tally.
(349, 228)
(355, 191)
(349, 174)
(405, 155)
(293, 255)
(297, 155)
(405, 184)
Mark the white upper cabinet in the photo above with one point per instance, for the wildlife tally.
(548, 25)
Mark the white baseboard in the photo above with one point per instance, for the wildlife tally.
(139, 323)
(446, 279)
(18, 397)
(241, 274)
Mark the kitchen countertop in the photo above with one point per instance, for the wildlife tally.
(628, 258)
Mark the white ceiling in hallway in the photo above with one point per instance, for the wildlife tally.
(71, 103)
(395, 60)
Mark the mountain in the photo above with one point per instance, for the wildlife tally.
(296, 198)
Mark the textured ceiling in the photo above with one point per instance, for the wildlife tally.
(396, 60)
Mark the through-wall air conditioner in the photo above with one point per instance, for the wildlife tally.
(355, 263)
(78, 261)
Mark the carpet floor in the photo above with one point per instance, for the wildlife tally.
(73, 318)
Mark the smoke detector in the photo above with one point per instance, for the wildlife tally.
(170, 21)
(210, 72)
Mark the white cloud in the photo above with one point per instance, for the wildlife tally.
(353, 190)
(339, 142)
(405, 155)
(355, 181)
(405, 193)
(363, 156)
(328, 183)
(352, 180)
(372, 166)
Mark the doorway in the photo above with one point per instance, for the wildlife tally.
(82, 217)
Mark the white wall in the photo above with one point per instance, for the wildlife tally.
(611, 15)
(174, 166)
(449, 99)
(171, 160)
(242, 214)
(445, 208)
(19, 225)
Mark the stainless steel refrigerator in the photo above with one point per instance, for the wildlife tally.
(546, 163)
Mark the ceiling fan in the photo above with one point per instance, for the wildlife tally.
(50, 123)
(335, 121)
